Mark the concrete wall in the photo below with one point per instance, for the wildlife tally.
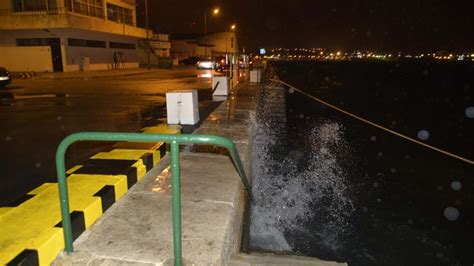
(100, 58)
(33, 58)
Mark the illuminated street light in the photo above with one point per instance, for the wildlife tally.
(233, 27)
(215, 12)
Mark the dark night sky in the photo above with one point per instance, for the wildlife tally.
(409, 26)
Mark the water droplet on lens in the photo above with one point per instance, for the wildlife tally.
(373, 138)
(451, 213)
(380, 154)
(470, 112)
(439, 188)
(456, 185)
(60, 118)
(410, 221)
(393, 170)
(8, 138)
(291, 90)
(376, 184)
(301, 115)
(38, 165)
(423, 134)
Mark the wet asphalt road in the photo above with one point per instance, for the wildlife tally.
(45, 111)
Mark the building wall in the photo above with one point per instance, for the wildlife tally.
(5, 4)
(219, 43)
(181, 49)
(63, 25)
(222, 42)
(73, 56)
(32, 58)
(63, 19)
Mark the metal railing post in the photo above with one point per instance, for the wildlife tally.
(64, 197)
(176, 202)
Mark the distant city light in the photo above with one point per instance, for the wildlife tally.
(325, 54)
(263, 51)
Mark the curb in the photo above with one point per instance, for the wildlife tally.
(39, 77)
(23, 75)
(93, 187)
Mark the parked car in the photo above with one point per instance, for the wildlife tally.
(206, 64)
(5, 77)
(190, 61)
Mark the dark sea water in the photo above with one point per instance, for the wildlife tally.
(370, 197)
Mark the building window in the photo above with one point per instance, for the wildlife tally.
(121, 45)
(119, 14)
(92, 8)
(30, 5)
(86, 43)
(33, 42)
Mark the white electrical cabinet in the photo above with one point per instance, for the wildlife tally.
(256, 76)
(220, 85)
(182, 107)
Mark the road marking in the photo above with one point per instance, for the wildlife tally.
(31, 233)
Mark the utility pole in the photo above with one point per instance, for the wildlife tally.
(205, 33)
(147, 35)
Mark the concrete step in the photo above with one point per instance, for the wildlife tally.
(243, 259)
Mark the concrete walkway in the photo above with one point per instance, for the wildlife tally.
(137, 230)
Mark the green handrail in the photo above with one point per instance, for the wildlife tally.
(175, 141)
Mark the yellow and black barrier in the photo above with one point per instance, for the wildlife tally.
(31, 232)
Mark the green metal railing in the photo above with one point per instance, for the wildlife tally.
(174, 141)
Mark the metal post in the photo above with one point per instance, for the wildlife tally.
(64, 198)
(176, 202)
(147, 36)
(205, 33)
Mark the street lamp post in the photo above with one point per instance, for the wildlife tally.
(147, 37)
(215, 12)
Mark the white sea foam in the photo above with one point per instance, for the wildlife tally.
(293, 200)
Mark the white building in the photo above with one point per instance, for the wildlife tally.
(68, 35)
